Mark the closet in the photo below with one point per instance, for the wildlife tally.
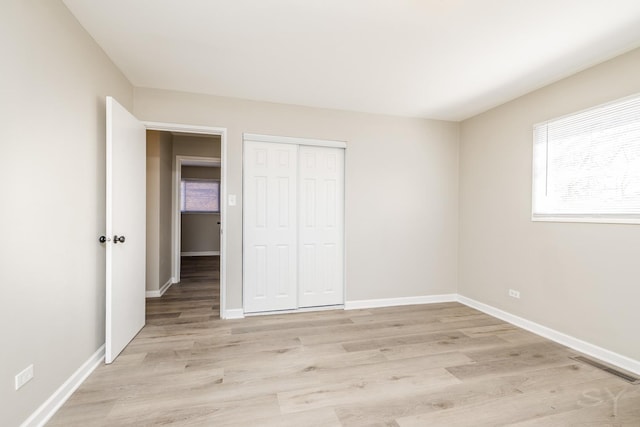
(293, 223)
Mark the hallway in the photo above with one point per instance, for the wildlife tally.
(196, 296)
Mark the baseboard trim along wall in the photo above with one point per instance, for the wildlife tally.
(63, 393)
(592, 350)
(390, 302)
(202, 253)
(233, 313)
(162, 290)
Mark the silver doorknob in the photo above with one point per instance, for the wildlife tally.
(117, 239)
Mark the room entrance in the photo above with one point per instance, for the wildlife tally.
(185, 180)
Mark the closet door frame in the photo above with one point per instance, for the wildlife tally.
(252, 137)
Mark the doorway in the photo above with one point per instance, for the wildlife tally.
(196, 214)
(193, 147)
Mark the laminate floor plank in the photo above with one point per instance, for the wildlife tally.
(378, 331)
(531, 407)
(408, 351)
(314, 418)
(466, 393)
(376, 386)
(437, 365)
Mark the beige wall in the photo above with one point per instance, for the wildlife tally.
(580, 279)
(198, 146)
(53, 87)
(159, 150)
(200, 232)
(401, 183)
(201, 172)
(153, 211)
(166, 208)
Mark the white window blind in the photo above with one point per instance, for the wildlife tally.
(586, 166)
(199, 195)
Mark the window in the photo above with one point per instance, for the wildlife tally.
(586, 166)
(199, 196)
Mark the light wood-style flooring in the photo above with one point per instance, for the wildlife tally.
(428, 365)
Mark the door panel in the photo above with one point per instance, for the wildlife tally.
(321, 231)
(125, 216)
(270, 222)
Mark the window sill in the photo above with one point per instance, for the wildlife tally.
(585, 219)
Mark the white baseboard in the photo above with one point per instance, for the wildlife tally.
(592, 350)
(56, 400)
(201, 253)
(233, 313)
(162, 290)
(390, 302)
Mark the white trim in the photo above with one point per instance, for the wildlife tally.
(44, 413)
(176, 127)
(207, 130)
(233, 313)
(200, 253)
(391, 302)
(293, 140)
(223, 224)
(164, 288)
(344, 229)
(632, 219)
(592, 350)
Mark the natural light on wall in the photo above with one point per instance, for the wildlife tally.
(586, 166)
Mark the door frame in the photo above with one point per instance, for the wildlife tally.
(175, 226)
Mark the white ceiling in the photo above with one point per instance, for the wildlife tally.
(442, 59)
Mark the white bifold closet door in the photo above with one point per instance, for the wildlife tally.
(293, 204)
(320, 226)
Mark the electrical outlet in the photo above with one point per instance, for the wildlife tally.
(23, 377)
(514, 294)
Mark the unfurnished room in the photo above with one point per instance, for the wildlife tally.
(320, 213)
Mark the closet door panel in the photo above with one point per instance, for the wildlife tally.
(321, 226)
(270, 226)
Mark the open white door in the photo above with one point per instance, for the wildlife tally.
(125, 228)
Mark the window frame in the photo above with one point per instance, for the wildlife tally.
(604, 218)
(182, 195)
